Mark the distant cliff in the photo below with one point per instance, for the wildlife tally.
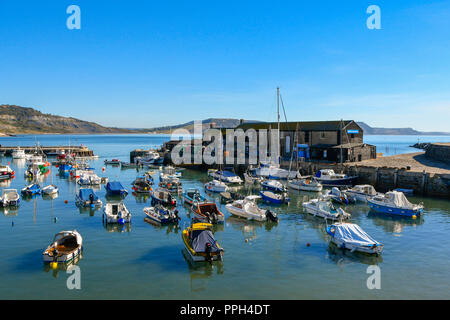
(396, 131)
(19, 120)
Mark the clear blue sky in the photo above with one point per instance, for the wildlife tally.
(150, 63)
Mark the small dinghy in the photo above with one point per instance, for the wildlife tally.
(31, 189)
(396, 203)
(216, 186)
(116, 212)
(115, 188)
(306, 184)
(337, 196)
(248, 209)
(162, 215)
(208, 212)
(361, 192)
(163, 197)
(352, 237)
(275, 198)
(9, 198)
(87, 198)
(50, 190)
(191, 196)
(66, 246)
(201, 244)
(273, 185)
(142, 185)
(324, 209)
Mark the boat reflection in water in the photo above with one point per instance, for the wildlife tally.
(62, 266)
(171, 227)
(142, 198)
(343, 256)
(249, 228)
(115, 227)
(19, 163)
(394, 224)
(201, 272)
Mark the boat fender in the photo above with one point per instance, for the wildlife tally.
(208, 252)
(121, 221)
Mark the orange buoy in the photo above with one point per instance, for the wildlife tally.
(65, 201)
(307, 244)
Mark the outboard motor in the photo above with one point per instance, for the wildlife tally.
(175, 213)
(91, 198)
(208, 252)
(272, 216)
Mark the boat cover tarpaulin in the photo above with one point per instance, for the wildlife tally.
(226, 173)
(85, 194)
(200, 241)
(115, 186)
(398, 199)
(352, 233)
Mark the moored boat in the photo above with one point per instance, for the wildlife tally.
(10, 197)
(163, 197)
(161, 214)
(113, 162)
(50, 190)
(248, 209)
(305, 184)
(6, 172)
(18, 153)
(337, 196)
(324, 209)
(142, 185)
(191, 196)
(66, 246)
(31, 189)
(328, 178)
(201, 244)
(352, 237)
(208, 212)
(226, 176)
(116, 212)
(216, 186)
(361, 192)
(275, 198)
(87, 198)
(115, 188)
(396, 203)
(273, 185)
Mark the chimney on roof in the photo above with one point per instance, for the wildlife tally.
(212, 125)
(241, 121)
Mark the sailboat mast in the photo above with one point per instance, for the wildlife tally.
(278, 119)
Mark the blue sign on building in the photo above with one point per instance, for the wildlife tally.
(353, 131)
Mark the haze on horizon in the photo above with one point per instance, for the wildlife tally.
(148, 64)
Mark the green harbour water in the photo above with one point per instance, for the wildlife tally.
(261, 260)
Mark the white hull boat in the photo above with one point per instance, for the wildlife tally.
(216, 186)
(306, 184)
(116, 212)
(10, 197)
(248, 209)
(66, 246)
(361, 192)
(50, 190)
(324, 209)
(18, 154)
(352, 237)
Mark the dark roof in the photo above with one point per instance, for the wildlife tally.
(351, 145)
(302, 125)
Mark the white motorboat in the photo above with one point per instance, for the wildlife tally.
(87, 198)
(361, 192)
(6, 172)
(66, 246)
(225, 176)
(89, 178)
(116, 212)
(50, 190)
(324, 209)
(249, 179)
(10, 197)
(18, 153)
(151, 157)
(248, 209)
(271, 171)
(273, 185)
(352, 237)
(216, 186)
(306, 184)
(161, 214)
(328, 177)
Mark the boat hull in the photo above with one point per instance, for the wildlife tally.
(394, 211)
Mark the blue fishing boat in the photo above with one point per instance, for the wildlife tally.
(395, 203)
(274, 198)
(115, 188)
(31, 189)
(193, 195)
(65, 167)
(87, 198)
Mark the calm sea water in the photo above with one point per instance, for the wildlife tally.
(261, 261)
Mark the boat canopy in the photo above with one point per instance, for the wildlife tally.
(115, 186)
(86, 193)
(352, 233)
(398, 199)
(201, 238)
(226, 173)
